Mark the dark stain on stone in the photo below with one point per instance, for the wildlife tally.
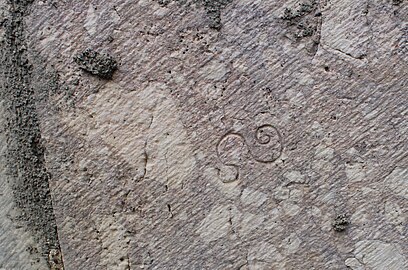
(301, 19)
(101, 65)
(163, 3)
(340, 223)
(25, 152)
(213, 9)
(304, 22)
(303, 9)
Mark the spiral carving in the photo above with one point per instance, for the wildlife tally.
(267, 146)
(264, 146)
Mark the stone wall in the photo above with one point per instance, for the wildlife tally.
(204, 134)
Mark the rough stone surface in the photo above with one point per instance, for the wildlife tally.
(27, 201)
(97, 64)
(233, 135)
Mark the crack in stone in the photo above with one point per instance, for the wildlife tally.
(348, 55)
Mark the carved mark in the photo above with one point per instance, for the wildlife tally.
(231, 150)
(264, 146)
(267, 146)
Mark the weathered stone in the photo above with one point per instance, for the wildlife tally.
(341, 223)
(97, 64)
(231, 135)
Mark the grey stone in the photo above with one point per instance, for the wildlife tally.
(230, 135)
(97, 64)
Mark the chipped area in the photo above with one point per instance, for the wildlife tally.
(97, 64)
(340, 223)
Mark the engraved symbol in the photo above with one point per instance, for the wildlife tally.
(264, 146)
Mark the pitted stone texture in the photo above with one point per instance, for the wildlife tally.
(28, 232)
(95, 63)
(136, 178)
(18, 249)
